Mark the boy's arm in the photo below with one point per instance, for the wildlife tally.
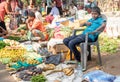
(101, 27)
(36, 24)
(87, 23)
(29, 23)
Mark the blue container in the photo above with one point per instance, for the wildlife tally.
(1, 38)
(57, 23)
(71, 19)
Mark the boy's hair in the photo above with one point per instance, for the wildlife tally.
(71, 4)
(96, 9)
(31, 14)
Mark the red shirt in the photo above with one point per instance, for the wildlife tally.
(2, 10)
(37, 24)
(58, 3)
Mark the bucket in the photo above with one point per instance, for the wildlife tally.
(57, 23)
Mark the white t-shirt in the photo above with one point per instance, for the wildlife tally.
(73, 10)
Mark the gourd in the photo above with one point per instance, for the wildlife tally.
(68, 71)
(49, 67)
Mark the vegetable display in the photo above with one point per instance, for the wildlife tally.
(108, 45)
(16, 38)
(2, 44)
(38, 78)
(13, 53)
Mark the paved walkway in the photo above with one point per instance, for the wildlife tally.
(4, 75)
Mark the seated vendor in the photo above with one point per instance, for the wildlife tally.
(35, 26)
(94, 24)
(54, 13)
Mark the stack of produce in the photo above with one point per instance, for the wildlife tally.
(38, 78)
(62, 32)
(13, 52)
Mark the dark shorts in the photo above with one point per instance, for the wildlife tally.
(2, 24)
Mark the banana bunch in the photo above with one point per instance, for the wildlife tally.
(14, 54)
(32, 61)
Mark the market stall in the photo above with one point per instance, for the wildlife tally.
(47, 61)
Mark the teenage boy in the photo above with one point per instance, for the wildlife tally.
(96, 23)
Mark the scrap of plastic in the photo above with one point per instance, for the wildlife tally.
(99, 76)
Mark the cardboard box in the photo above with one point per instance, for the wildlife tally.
(65, 23)
(56, 46)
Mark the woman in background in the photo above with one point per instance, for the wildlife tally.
(5, 8)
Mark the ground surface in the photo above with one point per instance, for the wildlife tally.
(4, 75)
(111, 64)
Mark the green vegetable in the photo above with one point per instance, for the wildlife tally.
(38, 78)
(108, 45)
(66, 29)
(2, 44)
(50, 32)
(16, 38)
(21, 28)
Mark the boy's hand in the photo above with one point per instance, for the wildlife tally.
(88, 23)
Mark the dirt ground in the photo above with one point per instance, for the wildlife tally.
(110, 63)
(4, 75)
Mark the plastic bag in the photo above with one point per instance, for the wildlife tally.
(117, 79)
(53, 59)
(20, 64)
(99, 76)
(43, 51)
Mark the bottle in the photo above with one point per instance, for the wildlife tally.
(79, 69)
(63, 56)
(78, 73)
